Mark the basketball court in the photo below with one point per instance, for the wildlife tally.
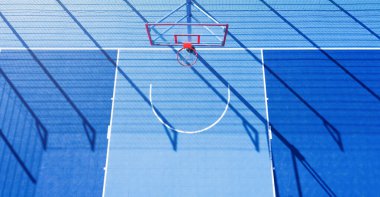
(212, 97)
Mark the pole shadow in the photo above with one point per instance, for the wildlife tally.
(90, 132)
(355, 19)
(21, 152)
(345, 70)
(294, 151)
(17, 157)
(297, 156)
(250, 130)
(42, 131)
(173, 136)
(334, 132)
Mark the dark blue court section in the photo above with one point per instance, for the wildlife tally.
(55, 108)
(324, 110)
(21, 146)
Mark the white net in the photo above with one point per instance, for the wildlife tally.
(187, 56)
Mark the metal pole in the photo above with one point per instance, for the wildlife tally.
(188, 14)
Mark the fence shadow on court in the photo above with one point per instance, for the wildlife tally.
(23, 139)
(172, 135)
(314, 44)
(296, 155)
(355, 19)
(42, 131)
(294, 151)
(88, 128)
(250, 129)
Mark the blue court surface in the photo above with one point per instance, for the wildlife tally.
(290, 106)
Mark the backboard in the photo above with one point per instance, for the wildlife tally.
(175, 34)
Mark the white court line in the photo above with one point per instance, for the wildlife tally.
(169, 49)
(269, 131)
(184, 131)
(109, 130)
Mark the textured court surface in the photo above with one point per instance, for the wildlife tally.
(117, 23)
(324, 114)
(56, 103)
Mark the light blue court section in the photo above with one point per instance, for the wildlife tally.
(253, 23)
(41, 23)
(230, 159)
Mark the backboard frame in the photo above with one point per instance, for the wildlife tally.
(198, 43)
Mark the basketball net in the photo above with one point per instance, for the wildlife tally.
(187, 56)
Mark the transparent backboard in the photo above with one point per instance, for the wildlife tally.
(171, 34)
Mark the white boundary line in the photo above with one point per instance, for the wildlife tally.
(169, 49)
(269, 131)
(109, 130)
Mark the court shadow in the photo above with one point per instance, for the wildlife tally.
(334, 132)
(23, 141)
(294, 151)
(173, 136)
(296, 155)
(339, 65)
(250, 129)
(42, 131)
(89, 129)
(17, 157)
(253, 134)
(355, 19)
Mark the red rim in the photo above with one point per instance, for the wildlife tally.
(187, 65)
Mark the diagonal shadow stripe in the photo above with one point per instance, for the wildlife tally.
(335, 134)
(172, 139)
(252, 133)
(44, 134)
(91, 136)
(17, 157)
(363, 85)
(355, 19)
(296, 154)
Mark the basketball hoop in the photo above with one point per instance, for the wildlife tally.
(187, 56)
